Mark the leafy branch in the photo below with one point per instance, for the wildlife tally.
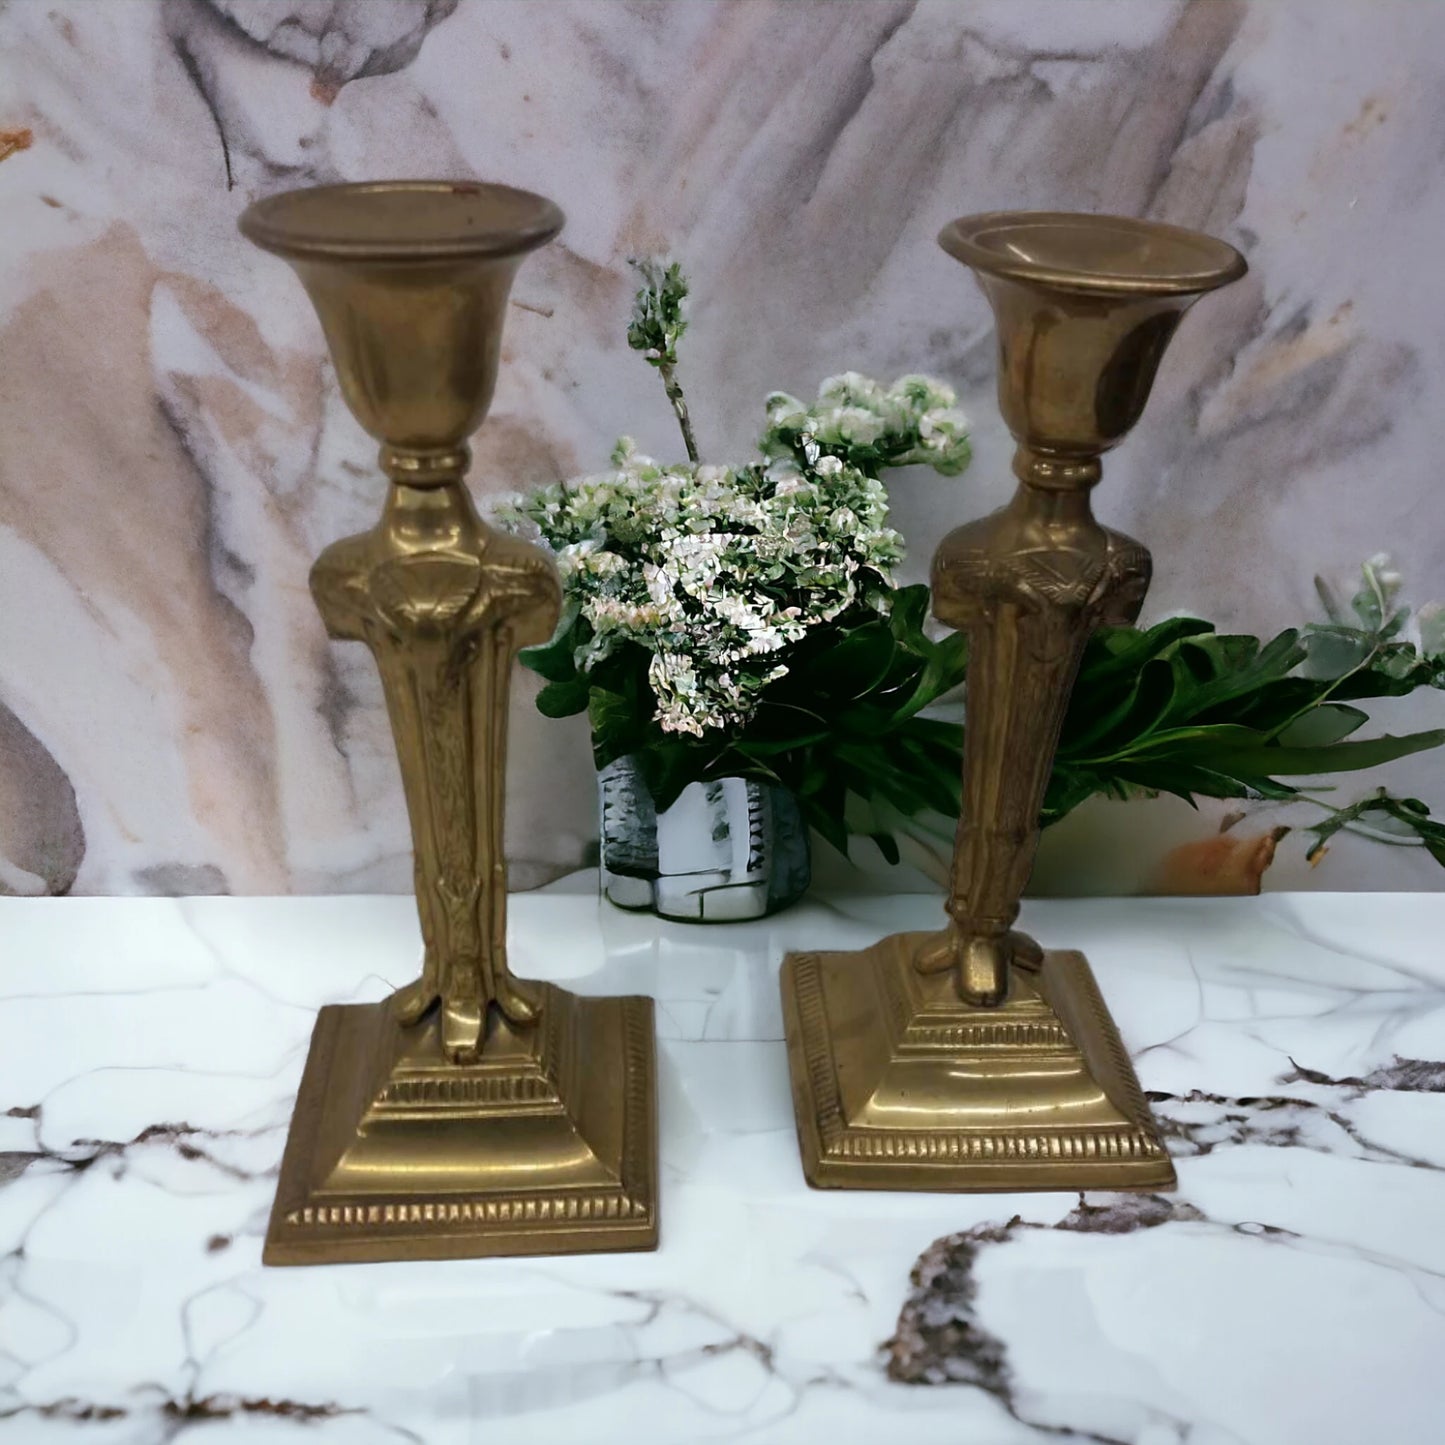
(658, 322)
(1382, 818)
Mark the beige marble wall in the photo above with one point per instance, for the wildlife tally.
(173, 451)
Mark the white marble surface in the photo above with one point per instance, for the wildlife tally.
(173, 452)
(1291, 1293)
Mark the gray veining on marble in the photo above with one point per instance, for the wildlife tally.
(173, 452)
(1291, 1292)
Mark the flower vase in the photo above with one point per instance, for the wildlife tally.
(725, 851)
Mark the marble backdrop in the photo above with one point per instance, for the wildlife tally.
(173, 451)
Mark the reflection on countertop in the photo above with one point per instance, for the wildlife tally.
(1292, 1290)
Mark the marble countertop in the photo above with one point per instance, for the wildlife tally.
(1293, 1290)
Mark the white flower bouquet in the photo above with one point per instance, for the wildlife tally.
(720, 618)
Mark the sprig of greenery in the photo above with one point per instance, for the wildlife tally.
(1178, 708)
(1384, 819)
(659, 319)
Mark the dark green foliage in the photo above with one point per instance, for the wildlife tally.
(1175, 708)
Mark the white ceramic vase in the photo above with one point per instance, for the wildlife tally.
(725, 851)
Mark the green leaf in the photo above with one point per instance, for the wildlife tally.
(1431, 618)
(551, 660)
(1067, 789)
(943, 671)
(1184, 779)
(658, 322)
(1194, 738)
(787, 722)
(562, 699)
(1320, 726)
(555, 659)
(830, 828)
(782, 745)
(952, 652)
(825, 811)
(1397, 660)
(614, 733)
(1133, 715)
(1375, 681)
(937, 732)
(814, 779)
(908, 610)
(1119, 652)
(671, 766)
(1374, 602)
(1275, 660)
(859, 662)
(1274, 761)
(1331, 652)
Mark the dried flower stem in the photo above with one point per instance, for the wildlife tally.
(673, 387)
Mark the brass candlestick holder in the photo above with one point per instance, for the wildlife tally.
(471, 1113)
(972, 1059)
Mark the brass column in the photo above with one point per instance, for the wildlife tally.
(471, 1113)
(972, 1059)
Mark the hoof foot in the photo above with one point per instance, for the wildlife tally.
(518, 1006)
(980, 961)
(413, 1001)
(462, 1025)
(983, 970)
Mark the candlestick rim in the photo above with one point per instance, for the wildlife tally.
(1183, 263)
(362, 221)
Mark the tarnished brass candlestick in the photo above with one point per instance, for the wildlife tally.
(471, 1113)
(971, 1058)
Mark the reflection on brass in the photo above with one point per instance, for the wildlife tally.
(971, 1058)
(471, 1113)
